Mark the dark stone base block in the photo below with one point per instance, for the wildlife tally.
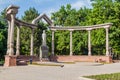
(10, 61)
(44, 51)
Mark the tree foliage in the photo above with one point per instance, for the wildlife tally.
(103, 11)
(29, 15)
(67, 16)
(3, 35)
(25, 35)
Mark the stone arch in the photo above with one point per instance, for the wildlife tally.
(43, 16)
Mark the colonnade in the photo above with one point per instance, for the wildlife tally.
(13, 10)
(10, 42)
(106, 27)
(11, 14)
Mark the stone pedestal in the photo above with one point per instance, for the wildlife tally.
(44, 53)
(10, 60)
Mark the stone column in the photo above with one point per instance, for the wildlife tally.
(18, 42)
(71, 53)
(11, 52)
(53, 42)
(32, 38)
(89, 43)
(8, 38)
(10, 59)
(107, 41)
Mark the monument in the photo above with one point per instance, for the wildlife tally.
(44, 48)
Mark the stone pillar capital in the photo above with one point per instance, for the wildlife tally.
(54, 30)
(88, 29)
(12, 9)
(107, 26)
(71, 30)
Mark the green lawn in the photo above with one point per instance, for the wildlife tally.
(112, 76)
(45, 64)
(1, 63)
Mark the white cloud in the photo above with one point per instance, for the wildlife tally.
(49, 11)
(81, 3)
(77, 4)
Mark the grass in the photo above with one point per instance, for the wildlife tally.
(43, 64)
(112, 76)
(1, 62)
(67, 62)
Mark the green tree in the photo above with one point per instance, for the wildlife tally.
(67, 16)
(3, 35)
(103, 11)
(29, 15)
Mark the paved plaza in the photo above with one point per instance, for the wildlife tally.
(68, 72)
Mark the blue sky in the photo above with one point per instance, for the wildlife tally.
(43, 6)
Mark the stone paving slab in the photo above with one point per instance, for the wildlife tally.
(68, 72)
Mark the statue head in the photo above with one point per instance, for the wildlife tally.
(43, 31)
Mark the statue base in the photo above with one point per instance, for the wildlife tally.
(44, 51)
(10, 61)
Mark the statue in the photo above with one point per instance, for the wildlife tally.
(43, 48)
(44, 38)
